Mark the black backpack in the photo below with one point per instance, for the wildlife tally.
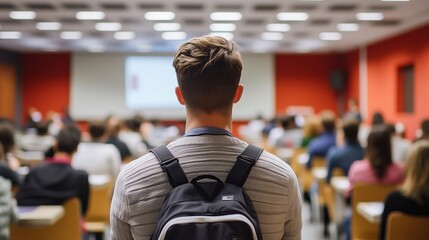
(206, 208)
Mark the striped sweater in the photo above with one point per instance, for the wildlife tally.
(142, 186)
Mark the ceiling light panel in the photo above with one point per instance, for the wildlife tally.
(173, 35)
(108, 26)
(292, 16)
(159, 16)
(330, 36)
(226, 35)
(225, 16)
(272, 36)
(71, 35)
(166, 27)
(48, 26)
(278, 27)
(347, 27)
(90, 15)
(369, 16)
(222, 27)
(22, 15)
(125, 35)
(10, 35)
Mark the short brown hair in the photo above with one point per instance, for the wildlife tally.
(208, 72)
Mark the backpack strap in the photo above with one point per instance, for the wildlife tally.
(245, 161)
(170, 164)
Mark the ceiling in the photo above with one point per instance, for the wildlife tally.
(194, 18)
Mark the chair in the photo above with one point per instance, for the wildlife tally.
(402, 226)
(361, 228)
(329, 194)
(67, 228)
(97, 216)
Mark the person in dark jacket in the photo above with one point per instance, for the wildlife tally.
(55, 181)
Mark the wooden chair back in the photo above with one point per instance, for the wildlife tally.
(403, 226)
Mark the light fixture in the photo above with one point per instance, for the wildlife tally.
(159, 16)
(347, 27)
(71, 35)
(125, 35)
(96, 48)
(369, 16)
(225, 16)
(330, 36)
(278, 27)
(48, 26)
(144, 48)
(226, 35)
(10, 35)
(90, 15)
(292, 16)
(222, 27)
(173, 35)
(166, 27)
(108, 26)
(22, 15)
(272, 36)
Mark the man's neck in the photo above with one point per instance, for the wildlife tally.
(62, 155)
(208, 120)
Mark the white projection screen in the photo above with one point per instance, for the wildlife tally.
(127, 84)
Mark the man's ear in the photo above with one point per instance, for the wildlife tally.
(180, 96)
(238, 93)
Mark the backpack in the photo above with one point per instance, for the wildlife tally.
(207, 208)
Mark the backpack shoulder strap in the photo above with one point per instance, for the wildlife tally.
(245, 161)
(170, 164)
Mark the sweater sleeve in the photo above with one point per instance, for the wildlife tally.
(84, 192)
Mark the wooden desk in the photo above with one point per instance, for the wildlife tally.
(371, 211)
(39, 215)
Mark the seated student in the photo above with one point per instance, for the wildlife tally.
(40, 141)
(400, 145)
(343, 157)
(8, 210)
(112, 125)
(310, 130)
(292, 136)
(8, 163)
(424, 130)
(96, 156)
(413, 196)
(55, 181)
(320, 145)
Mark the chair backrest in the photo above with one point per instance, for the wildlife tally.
(68, 227)
(361, 228)
(329, 193)
(99, 203)
(402, 226)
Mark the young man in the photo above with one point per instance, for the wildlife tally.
(56, 181)
(208, 72)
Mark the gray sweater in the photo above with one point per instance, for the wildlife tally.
(8, 209)
(142, 186)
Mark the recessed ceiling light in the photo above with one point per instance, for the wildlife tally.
(173, 35)
(272, 36)
(222, 27)
(22, 15)
(71, 35)
(108, 26)
(124, 35)
(48, 25)
(330, 36)
(10, 35)
(96, 48)
(166, 27)
(347, 27)
(278, 27)
(292, 16)
(90, 15)
(370, 16)
(225, 16)
(144, 48)
(160, 16)
(226, 35)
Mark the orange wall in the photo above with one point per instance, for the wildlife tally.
(384, 58)
(352, 62)
(303, 80)
(45, 82)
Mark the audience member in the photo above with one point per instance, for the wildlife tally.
(413, 196)
(400, 145)
(8, 210)
(320, 145)
(343, 157)
(8, 163)
(112, 124)
(424, 130)
(55, 181)
(97, 156)
(310, 130)
(208, 71)
(40, 141)
(130, 135)
(377, 119)
(292, 136)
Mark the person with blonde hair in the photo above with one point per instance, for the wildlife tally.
(413, 196)
(208, 72)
